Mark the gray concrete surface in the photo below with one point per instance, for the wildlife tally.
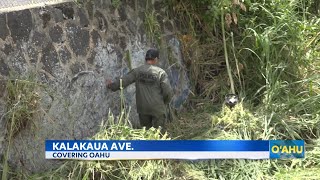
(16, 5)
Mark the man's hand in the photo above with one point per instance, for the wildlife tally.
(108, 82)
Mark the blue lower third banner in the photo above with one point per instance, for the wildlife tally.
(173, 149)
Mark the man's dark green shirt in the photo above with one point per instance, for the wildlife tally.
(153, 89)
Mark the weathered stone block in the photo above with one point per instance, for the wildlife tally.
(64, 55)
(91, 57)
(39, 39)
(49, 58)
(56, 14)
(4, 69)
(95, 37)
(131, 26)
(78, 39)
(106, 4)
(7, 49)
(56, 34)
(4, 31)
(101, 21)
(3, 87)
(33, 55)
(76, 67)
(123, 42)
(45, 16)
(113, 38)
(67, 10)
(83, 18)
(122, 13)
(20, 25)
(89, 7)
(17, 62)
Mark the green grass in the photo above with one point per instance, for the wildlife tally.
(152, 27)
(239, 123)
(22, 100)
(116, 3)
(116, 128)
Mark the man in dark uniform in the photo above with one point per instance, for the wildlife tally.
(153, 90)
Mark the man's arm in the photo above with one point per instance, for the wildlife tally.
(167, 92)
(126, 81)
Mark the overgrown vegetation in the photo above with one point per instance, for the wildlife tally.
(116, 128)
(236, 124)
(116, 3)
(152, 27)
(21, 102)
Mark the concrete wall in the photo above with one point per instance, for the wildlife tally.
(73, 49)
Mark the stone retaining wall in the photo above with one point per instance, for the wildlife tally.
(73, 49)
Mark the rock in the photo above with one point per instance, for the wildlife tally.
(114, 38)
(142, 32)
(105, 4)
(178, 77)
(64, 55)
(101, 21)
(83, 18)
(33, 55)
(123, 42)
(142, 15)
(98, 3)
(17, 62)
(75, 68)
(49, 58)
(67, 11)
(95, 36)
(89, 8)
(142, 5)
(20, 25)
(131, 26)
(56, 34)
(3, 88)
(131, 4)
(7, 49)
(56, 14)
(122, 13)
(39, 39)
(78, 39)
(91, 57)
(4, 69)
(45, 16)
(4, 31)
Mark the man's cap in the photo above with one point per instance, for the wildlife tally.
(152, 54)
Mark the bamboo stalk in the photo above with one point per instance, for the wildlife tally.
(226, 52)
(236, 59)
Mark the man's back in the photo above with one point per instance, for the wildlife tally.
(149, 90)
(153, 90)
